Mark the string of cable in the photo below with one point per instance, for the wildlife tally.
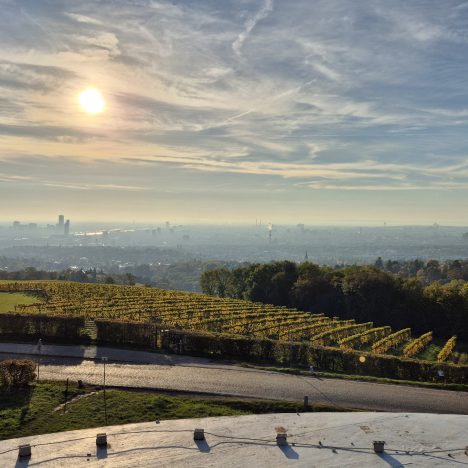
(250, 440)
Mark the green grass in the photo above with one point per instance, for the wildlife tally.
(32, 410)
(430, 352)
(398, 349)
(9, 300)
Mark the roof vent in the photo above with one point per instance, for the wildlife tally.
(24, 451)
(379, 446)
(101, 439)
(199, 434)
(281, 439)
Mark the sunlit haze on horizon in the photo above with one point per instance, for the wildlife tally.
(324, 112)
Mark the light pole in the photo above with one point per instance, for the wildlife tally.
(104, 360)
(39, 348)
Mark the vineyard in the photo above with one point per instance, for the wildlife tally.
(206, 314)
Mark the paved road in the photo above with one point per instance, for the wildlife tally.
(200, 375)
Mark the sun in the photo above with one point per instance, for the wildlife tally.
(91, 101)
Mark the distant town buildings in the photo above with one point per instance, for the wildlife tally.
(63, 227)
(18, 226)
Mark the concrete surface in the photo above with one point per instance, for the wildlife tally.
(314, 440)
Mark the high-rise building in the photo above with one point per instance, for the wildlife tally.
(66, 228)
(61, 220)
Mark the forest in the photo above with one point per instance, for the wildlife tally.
(364, 293)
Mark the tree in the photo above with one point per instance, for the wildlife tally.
(109, 280)
(129, 279)
(216, 282)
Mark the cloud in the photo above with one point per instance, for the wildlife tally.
(44, 132)
(83, 18)
(291, 96)
(94, 187)
(13, 178)
(250, 24)
(41, 78)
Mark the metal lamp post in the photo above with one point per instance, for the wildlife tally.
(39, 348)
(104, 360)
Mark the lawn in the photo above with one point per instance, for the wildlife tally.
(38, 409)
(9, 300)
(430, 352)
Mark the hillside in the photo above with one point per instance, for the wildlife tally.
(203, 313)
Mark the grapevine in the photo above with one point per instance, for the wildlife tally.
(391, 341)
(446, 351)
(417, 345)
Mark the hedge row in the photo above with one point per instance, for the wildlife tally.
(228, 346)
(123, 333)
(15, 373)
(276, 352)
(21, 326)
(305, 355)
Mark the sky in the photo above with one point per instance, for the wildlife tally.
(325, 112)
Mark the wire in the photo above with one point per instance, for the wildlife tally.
(152, 430)
(238, 438)
(8, 451)
(241, 440)
(320, 391)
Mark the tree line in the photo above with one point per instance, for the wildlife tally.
(91, 275)
(365, 293)
(426, 271)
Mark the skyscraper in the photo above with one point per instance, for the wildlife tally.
(61, 220)
(66, 229)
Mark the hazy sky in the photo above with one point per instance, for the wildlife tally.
(290, 111)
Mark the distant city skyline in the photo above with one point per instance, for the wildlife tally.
(324, 112)
(38, 222)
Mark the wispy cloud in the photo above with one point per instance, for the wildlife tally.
(289, 96)
(114, 187)
(250, 24)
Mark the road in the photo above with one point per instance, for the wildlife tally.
(201, 375)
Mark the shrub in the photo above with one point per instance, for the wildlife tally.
(28, 326)
(16, 373)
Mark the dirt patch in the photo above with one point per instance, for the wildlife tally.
(79, 397)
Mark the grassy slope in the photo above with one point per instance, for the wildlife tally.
(460, 355)
(31, 410)
(9, 300)
(430, 352)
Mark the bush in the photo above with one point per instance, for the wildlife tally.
(16, 373)
(125, 333)
(29, 326)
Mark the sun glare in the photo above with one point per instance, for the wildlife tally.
(91, 101)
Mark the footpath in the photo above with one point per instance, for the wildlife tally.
(94, 353)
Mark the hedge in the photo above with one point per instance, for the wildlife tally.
(276, 352)
(229, 346)
(305, 355)
(29, 326)
(122, 333)
(15, 373)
